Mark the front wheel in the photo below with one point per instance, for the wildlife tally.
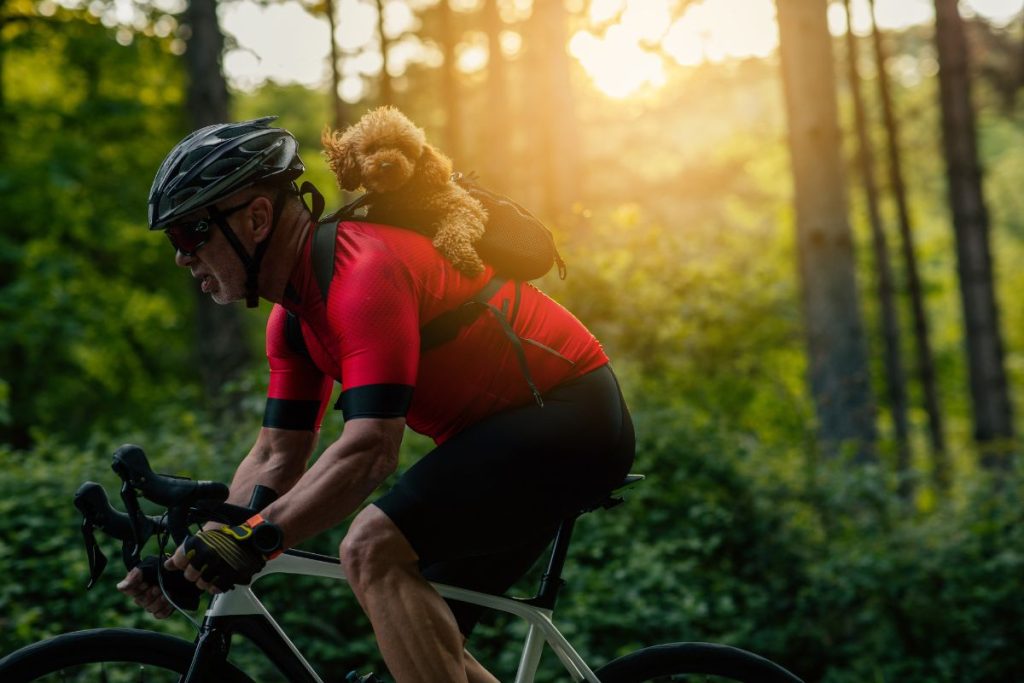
(693, 662)
(109, 654)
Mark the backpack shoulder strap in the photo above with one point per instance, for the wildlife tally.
(325, 237)
(322, 255)
(293, 336)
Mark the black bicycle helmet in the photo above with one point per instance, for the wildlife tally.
(217, 161)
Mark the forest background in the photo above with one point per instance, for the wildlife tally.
(879, 555)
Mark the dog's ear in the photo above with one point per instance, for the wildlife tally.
(433, 166)
(350, 177)
(339, 150)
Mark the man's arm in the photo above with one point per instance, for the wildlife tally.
(277, 460)
(346, 473)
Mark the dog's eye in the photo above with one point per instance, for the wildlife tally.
(370, 149)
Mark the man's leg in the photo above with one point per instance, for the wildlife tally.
(416, 632)
(480, 506)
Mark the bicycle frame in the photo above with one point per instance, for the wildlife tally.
(240, 611)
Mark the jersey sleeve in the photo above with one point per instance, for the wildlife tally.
(376, 312)
(298, 392)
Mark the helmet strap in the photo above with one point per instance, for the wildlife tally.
(316, 208)
(252, 282)
(251, 263)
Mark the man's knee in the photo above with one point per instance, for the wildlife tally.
(372, 546)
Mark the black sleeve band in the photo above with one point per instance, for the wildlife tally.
(284, 413)
(375, 400)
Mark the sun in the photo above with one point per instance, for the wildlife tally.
(616, 62)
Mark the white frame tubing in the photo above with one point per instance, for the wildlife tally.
(242, 601)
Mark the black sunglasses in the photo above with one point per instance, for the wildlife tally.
(188, 238)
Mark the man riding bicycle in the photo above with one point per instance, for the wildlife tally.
(478, 509)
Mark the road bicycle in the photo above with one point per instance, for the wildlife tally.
(116, 655)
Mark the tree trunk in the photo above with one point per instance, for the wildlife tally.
(450, 85)
(3, 80)
(558, 142)
(386, 90)
(1020, 64)
(496, 128)
(922, 337)
(993, 426)
(835, 337)
(336, 105)
(221, 349)
(888, 319)
(3, 48)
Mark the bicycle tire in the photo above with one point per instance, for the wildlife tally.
(106, 646)
(674, 661)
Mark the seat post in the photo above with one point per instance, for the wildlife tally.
(551, 582)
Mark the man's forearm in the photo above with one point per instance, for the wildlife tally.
(343, 477)
(264, 469)
(277, 461)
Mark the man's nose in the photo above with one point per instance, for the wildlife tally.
(181, 260)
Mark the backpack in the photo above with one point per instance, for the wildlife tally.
(515, 243)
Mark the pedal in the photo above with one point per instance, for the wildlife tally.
(354, 677)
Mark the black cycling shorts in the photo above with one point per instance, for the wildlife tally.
(480, 508)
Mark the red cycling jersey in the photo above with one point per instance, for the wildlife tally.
(388, 283)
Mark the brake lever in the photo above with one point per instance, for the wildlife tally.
(97, 560)
(177, 524)
(132, 550)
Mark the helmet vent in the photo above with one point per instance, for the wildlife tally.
(183, 194)
(192, 158)
(214, 162)
(219, 168)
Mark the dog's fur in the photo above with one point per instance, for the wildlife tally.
(388, 154)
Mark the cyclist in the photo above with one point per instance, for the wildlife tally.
(509, 465)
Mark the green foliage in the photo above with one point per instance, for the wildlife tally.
(830, 576)
(680, 261)
(41, 550)
(81, 278)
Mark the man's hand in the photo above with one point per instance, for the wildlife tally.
(218, 559)
(146, 596)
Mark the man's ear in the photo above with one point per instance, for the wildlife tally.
(261, 212)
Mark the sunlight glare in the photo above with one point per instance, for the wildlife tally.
(1000, 12)
(360, 23)
(256, 27)
(648, 20)
(605, 10)
(709, 31)
(627, 46)
(471, 53)
(617, 64)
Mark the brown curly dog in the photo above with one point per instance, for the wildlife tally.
(388, 154)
